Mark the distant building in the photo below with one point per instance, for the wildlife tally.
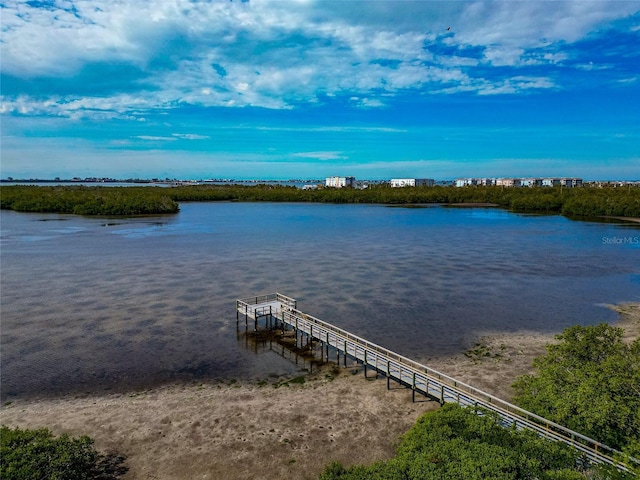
(508, 182)
(412, 182)
(531, 182)
(485, 182)
(565, 182)
(339, 182)
(520, 182)
(465, 182)
(571, 182)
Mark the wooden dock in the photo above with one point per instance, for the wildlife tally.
(280, 311)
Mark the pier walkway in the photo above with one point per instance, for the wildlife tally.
(419, 378)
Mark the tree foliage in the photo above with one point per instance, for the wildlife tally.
(37, 454)
(579, 202)
(462, 443)
(589, 382)
(88, 200)
(583, 202)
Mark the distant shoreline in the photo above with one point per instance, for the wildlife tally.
(582, 203)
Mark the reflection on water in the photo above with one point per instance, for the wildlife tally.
(90, 304)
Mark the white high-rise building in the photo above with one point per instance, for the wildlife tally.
(412, 182)
(339, 182)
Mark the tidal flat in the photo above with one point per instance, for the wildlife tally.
(274, 428)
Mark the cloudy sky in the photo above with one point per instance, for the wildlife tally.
(305, 89)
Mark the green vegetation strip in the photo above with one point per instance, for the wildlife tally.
(578, 202)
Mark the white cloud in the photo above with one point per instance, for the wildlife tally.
(191, 136)
(521, 24)
(513, 85)
(503, 56)
(277, 54)
(592, 66)
(57, 41)
(344, 129)
(516, 85)
(122, 106)
(371, 103)
(629, 80)
(153, 138)
(367, 102)
(326, 155)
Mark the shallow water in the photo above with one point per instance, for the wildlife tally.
(90, 304)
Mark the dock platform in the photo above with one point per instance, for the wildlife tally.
(281, 311)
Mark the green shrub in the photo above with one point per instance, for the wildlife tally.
(37, 454)
(589, 382)
(463, 443)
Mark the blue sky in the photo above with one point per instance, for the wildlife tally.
(304, 89)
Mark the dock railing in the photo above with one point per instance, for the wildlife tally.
(421, 378)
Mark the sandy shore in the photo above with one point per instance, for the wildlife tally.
(626, 219)
(274, 429)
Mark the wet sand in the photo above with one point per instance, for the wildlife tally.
(626, 219)
(274, 429)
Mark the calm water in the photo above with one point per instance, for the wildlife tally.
(89, 304)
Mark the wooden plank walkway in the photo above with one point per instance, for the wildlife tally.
(419, 378)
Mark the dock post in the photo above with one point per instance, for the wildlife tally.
(388, 374)
(345, 354)
(327, 347)
(413, 388)
(364, 362)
